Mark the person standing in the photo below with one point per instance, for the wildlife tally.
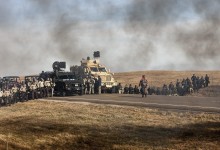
(126, 89)
(96, 85)
(92, 83)
(197, 83)
(100, 84)
(7, 96)
(193, 78)
(136, 90)
(119, 87)
(207, 80)
(33, 89)
(52, 85)
(143, 84)
(171, 88)
(23, 92)
(131, 89)
(202, 82)
(48, 86)
(1, 96)
(87, 86)
(41, 87)
(15, 94)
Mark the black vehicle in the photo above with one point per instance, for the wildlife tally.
(1, 83)
(9, 81)
(31, 78)
(12, 78)
(66, 83)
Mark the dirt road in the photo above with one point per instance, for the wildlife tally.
(176, 103)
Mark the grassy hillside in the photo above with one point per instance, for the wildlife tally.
(158, 78)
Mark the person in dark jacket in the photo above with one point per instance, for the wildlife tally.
(136, 90)
(96, 86)
(99, 84)
(126, 89)
(131, 89)
(207, 80)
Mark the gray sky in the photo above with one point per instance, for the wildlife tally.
(132, 35)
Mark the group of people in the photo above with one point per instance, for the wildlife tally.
(13, 91)
(181, 87)
(92, 85)
(141, 89)
(128, 89)
(184, 86)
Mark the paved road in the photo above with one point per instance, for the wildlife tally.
(177, 103)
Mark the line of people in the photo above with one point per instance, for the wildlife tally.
(13, 91)
(141, 89)
(184, 86)
(127, 89)
(181, 87)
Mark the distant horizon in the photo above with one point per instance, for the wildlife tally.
(22, 75)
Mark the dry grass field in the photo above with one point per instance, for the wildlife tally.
(57, 125)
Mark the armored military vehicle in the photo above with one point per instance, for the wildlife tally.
(92, 67)
(66, 83)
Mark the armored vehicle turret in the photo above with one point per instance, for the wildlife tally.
(92, 67)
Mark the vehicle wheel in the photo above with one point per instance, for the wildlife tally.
(63, 94)
(81, 93)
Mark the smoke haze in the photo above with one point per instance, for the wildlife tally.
(131, 34)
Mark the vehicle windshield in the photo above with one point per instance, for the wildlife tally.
(94, 69)
(102, 69)
(31, 78)
(11, 79)
(66, 77)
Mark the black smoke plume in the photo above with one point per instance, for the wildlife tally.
(131, 35)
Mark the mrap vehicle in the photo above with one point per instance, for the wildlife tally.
(92, 67)
(66, 83)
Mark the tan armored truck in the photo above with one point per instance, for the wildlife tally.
(92, 67)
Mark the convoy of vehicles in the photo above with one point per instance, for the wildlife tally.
(57, 82)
